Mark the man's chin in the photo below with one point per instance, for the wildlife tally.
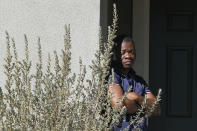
(127, 66)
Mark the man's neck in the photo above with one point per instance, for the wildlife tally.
(125, 71)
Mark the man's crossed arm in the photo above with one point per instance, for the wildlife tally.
(132, 100)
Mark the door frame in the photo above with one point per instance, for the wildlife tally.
(140, 31)
(141, 17)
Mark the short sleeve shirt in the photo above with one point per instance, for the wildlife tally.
(139, 86)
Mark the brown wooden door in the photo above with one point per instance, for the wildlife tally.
(173, 63)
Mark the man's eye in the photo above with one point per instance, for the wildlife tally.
(131, 52)
(122, 52)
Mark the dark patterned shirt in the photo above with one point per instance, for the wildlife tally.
(139, 86)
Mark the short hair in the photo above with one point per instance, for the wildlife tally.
(122, 38)
(128, 39)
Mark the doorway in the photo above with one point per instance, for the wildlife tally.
(173, 63)
(124, 10)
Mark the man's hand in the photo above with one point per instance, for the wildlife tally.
(116, 94)
(151, 99)
(131, 102)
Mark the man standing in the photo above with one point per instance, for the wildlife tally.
(126, 77)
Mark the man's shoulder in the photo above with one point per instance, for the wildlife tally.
(136, 77)
(140, 79)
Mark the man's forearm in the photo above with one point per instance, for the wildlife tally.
(131, 104)
(116, 95)
(132, 100)
(150, 101)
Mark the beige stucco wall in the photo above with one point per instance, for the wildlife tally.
(46, 19)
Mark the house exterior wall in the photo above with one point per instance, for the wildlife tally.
(46, 19)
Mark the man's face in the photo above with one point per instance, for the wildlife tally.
(127, 54)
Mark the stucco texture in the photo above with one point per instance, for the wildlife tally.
(46, 19)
